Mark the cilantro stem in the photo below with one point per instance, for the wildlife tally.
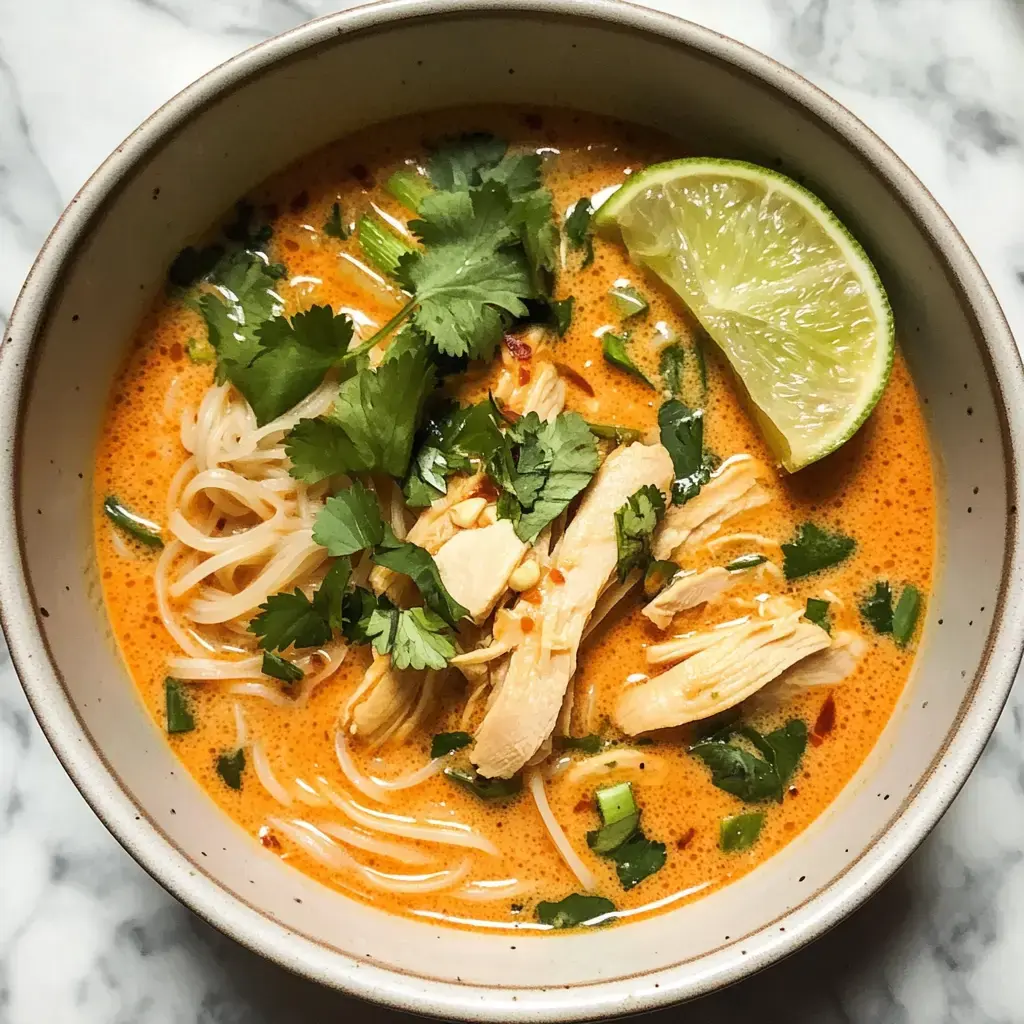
(384, 331)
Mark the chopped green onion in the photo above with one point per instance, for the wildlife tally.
(409, 188)
(627, 300)
(616, 352)
(658, 576)
(750, 561)
(616, 802)
(574, 910)
(611, 432)
(904, 618)
(230, 768)
(740, 832)
(877, 607)
(611, 837)
(380, 245)
(280, 668)
(143, 530)
(334, 226)
(200, 351)
(445, 742)
(486, 789)
(817, 612)
(179, 714)
(670, 366)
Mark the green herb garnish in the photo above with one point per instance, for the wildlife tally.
(877, 608)
(350, 521)
(178, 707)
(813, 549)
(409, 188)
(658, 575)
(230, 768)
(670, 366)
(574, 910)
(611, 432)
(634, 525)
(904, 618)
(589, 744)
(447, 742)
(293, 620)
(740, 832)
(682, 434)
(200, 352)
(382, 247)
(620, 815)
(751, 561)
(143, 530)
(578, 230)
(817, 612)
(626, 300)
(616, 351)
(193, 263)
(280, 668)
(334, 226)
(561, 312)
(414, 637)
(486, 789)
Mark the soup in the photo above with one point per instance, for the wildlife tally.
(453, 561)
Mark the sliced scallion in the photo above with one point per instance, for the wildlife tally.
(143, 530)
(904, 618)
(280, 668)
(628, 302)
(750, 561)
(176, 702)
(409, 188)
(380, 245)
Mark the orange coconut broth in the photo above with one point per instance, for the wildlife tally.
(878, 489)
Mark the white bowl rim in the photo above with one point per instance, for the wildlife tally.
(176, 872)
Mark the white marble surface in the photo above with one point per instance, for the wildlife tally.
(87, 937)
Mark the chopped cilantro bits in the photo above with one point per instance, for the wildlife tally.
(334, 226)
(813, 549)
(817, 612)
(178, 707)
(575, 910)
(634, 525)
(616, 351)
(682, 434)
(230, 768)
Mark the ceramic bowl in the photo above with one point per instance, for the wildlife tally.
(106, 259)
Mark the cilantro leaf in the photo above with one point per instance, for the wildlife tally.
(636, 859)
(230, 768)
(457, 162)
(447, 446)
(350, 521)
(670, 366)
(555, 461)
(193, 263)
(577, 229)
(751, 560)
(877, 607)
(280, 668)
(813, 549)
(518, 172)
(358, 606)
(292, 360)
(329, 599)
(177, 706)
(626, 300)
(635, 521)
(289, 620)
(740, 831)
(414, 637)
(484, 788)
(576, 909)
(370, 427)
(817, 612)
(334, 226)
(682, 434)
(534, 215)
(418, 564)
(657, 576)
(904, 618)
(561, 312)
(447, 742)
(468, 275)
(615, 348)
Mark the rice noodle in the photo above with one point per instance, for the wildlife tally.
(261, 765)
(487, 890)
(583, 874)
(619, 760)
(447, 834)
(241, 731)
(371, 844)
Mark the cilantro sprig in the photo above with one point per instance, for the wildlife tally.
(293, 620)
(635, 521)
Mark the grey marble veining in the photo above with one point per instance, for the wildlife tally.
(86, 937)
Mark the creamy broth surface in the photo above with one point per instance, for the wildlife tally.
(878, 489)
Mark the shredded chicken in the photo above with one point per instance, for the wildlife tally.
(388, 696)
(734, 665)
(732, 490)
(475, 565)
(530, 382)
(687, 590)
(527, 704)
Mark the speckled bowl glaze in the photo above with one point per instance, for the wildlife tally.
(106, 259)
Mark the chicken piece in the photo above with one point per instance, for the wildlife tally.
(732, 490)
(687, 590)
(526, 706)
(529, 381)
(741, 660)
(826, 668)
(475, 565)
(433, 528)
(545, 394)
(385, 697)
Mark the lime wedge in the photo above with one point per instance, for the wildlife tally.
(780, 285)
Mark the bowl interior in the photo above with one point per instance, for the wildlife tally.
(220, 148)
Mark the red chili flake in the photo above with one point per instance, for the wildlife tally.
(520, 349)
(556, 576)
(176, 352)
(269, 840)
(686, 838)
(507, 414)
(826, 719)
(526, 624)
(485, 489)
(585, 803)
(291, 245)
(524, 375)
(816, 740)
(533, 597)
(574, 377)
(300, 202)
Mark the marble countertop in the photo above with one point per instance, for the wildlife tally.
(87, 937)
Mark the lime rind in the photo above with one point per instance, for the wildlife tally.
(813, 347)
